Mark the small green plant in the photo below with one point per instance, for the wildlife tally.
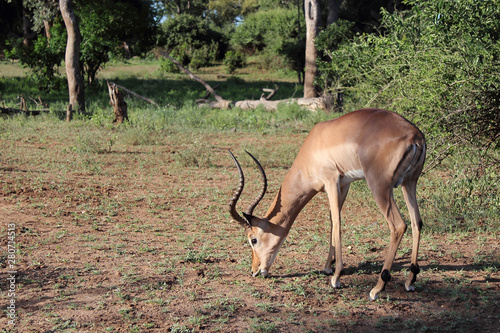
(263, 326)
(200, 58)
(194, 156)
(168, 66)
(178, 328)
(233, 60)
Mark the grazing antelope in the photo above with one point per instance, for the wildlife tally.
(377, 145)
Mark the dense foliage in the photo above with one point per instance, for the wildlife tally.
(277, 34)
(233, 60)
(434, 64)
(192, 40)
(42, 56)
(109, 27)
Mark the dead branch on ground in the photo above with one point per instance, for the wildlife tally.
(324, 103)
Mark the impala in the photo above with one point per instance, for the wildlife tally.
(377, 145)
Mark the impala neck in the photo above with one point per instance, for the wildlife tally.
(293, 195)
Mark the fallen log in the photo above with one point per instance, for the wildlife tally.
(312, 104)
(324, 103)
(11, 111)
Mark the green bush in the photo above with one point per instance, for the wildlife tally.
(201, 57)
(104, 26)
(168, 66)
(233, 61)
(43, 57)
(267, 30)
(272, 33)
(432, 65)
(193, 40)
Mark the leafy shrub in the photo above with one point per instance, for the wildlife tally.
(104, 26)
(233, 61)
(267, 30)
(431, 65)
(167, 66)
(193, 40)
(333, 36)
(43, 57)
(201, 57)
(270, 33)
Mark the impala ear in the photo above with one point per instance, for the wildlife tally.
(256, 222)
(248, 218)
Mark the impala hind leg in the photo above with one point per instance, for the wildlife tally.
(327, 269)
(409, 191)
(397, 226)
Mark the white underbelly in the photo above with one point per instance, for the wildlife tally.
(355, 174)
(351, 176)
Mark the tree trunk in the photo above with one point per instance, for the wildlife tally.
(333, 11)
(28, 34)
(47, 26)
(312, 14)
(72, 58)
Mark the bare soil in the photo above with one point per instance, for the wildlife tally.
(136, 238)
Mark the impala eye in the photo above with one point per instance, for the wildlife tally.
(254, 241)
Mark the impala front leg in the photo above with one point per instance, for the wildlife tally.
(327, 269)
(333, 191)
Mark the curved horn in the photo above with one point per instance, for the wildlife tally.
(264, 187)
(232, 205)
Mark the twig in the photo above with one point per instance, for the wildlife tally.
(384, 88)
(208, 92)
(442, 155)
(271, 92)
(39, 102)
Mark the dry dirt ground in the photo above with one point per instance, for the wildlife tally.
(114, 237)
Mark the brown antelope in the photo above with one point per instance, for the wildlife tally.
(377, 145)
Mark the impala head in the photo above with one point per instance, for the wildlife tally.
(262, 236)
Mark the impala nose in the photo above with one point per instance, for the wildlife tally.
(262, 272)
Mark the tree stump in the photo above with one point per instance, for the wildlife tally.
(117, 100)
